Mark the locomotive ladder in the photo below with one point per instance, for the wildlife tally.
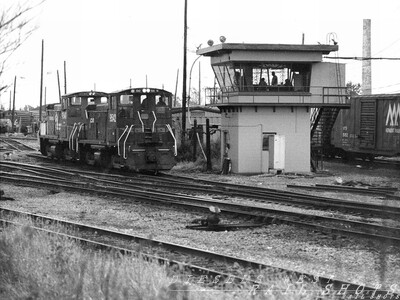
(322, 121)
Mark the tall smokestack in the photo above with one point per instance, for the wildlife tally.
(366, 64)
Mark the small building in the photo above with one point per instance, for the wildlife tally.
(198, 114)
(273, 99)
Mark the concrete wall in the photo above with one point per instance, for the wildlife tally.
(246, 146)
(324, 74)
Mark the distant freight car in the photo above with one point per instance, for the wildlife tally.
(370, 128)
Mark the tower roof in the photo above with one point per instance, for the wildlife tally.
(224, 48)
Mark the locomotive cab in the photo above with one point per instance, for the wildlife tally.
(65, 125)
(145, 137)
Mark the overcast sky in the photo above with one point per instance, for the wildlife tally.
(108, 44)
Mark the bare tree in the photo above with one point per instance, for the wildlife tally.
(16, 25)
(353, 89)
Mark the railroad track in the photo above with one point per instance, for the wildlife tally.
(72, 181)
(13, 144)
(264, 195)
(224, 268)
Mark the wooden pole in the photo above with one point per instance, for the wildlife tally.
(184, 76)
(176, 86)
(9, 106)
(41, 83)
(13, 106)
(59, 89)
(199, 83)
(208, 145)
(65, 78)
(194, 141)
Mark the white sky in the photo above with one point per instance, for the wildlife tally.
(108, 43)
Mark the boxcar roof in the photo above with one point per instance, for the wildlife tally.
(377, 96)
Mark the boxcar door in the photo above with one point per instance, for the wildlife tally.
(367, 136)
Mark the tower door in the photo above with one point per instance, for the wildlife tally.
(266, 149)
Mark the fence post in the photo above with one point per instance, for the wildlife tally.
(208, 145)
(194, 137)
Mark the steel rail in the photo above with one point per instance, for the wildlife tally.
(182, 266)
(269, 195)
(333, 284)
(17, 145)
(278, 196)
(267, 215)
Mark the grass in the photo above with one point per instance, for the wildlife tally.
(35, 265)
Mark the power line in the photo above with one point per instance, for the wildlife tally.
(387, 46)
(383, 87)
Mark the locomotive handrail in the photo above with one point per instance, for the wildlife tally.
(77, 137)
(170, 131)
(126, 128)
(73, 135)
(140, 119)
(70, 142)
(127, 135)
(155, 119)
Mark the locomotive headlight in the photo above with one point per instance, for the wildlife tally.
(146, 90)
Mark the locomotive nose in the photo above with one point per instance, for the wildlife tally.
(151, 157)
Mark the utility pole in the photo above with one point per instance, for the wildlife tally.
(199, 83)
(13, 107)
(41, 83)
(65, 78)
(9, 106)
(59, 88)
(176, 86)
(184, 76)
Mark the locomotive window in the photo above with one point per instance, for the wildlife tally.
(126, 99)
(91, 101)
(147, 101)
(103, 100)
(76, 101)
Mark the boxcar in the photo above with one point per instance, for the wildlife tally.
(370, 128)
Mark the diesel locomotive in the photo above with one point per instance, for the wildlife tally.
(125, 129)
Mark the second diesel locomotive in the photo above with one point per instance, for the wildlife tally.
(125, 129)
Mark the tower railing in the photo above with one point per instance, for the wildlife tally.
(277, 94)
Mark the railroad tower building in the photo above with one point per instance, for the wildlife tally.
(278, 103)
